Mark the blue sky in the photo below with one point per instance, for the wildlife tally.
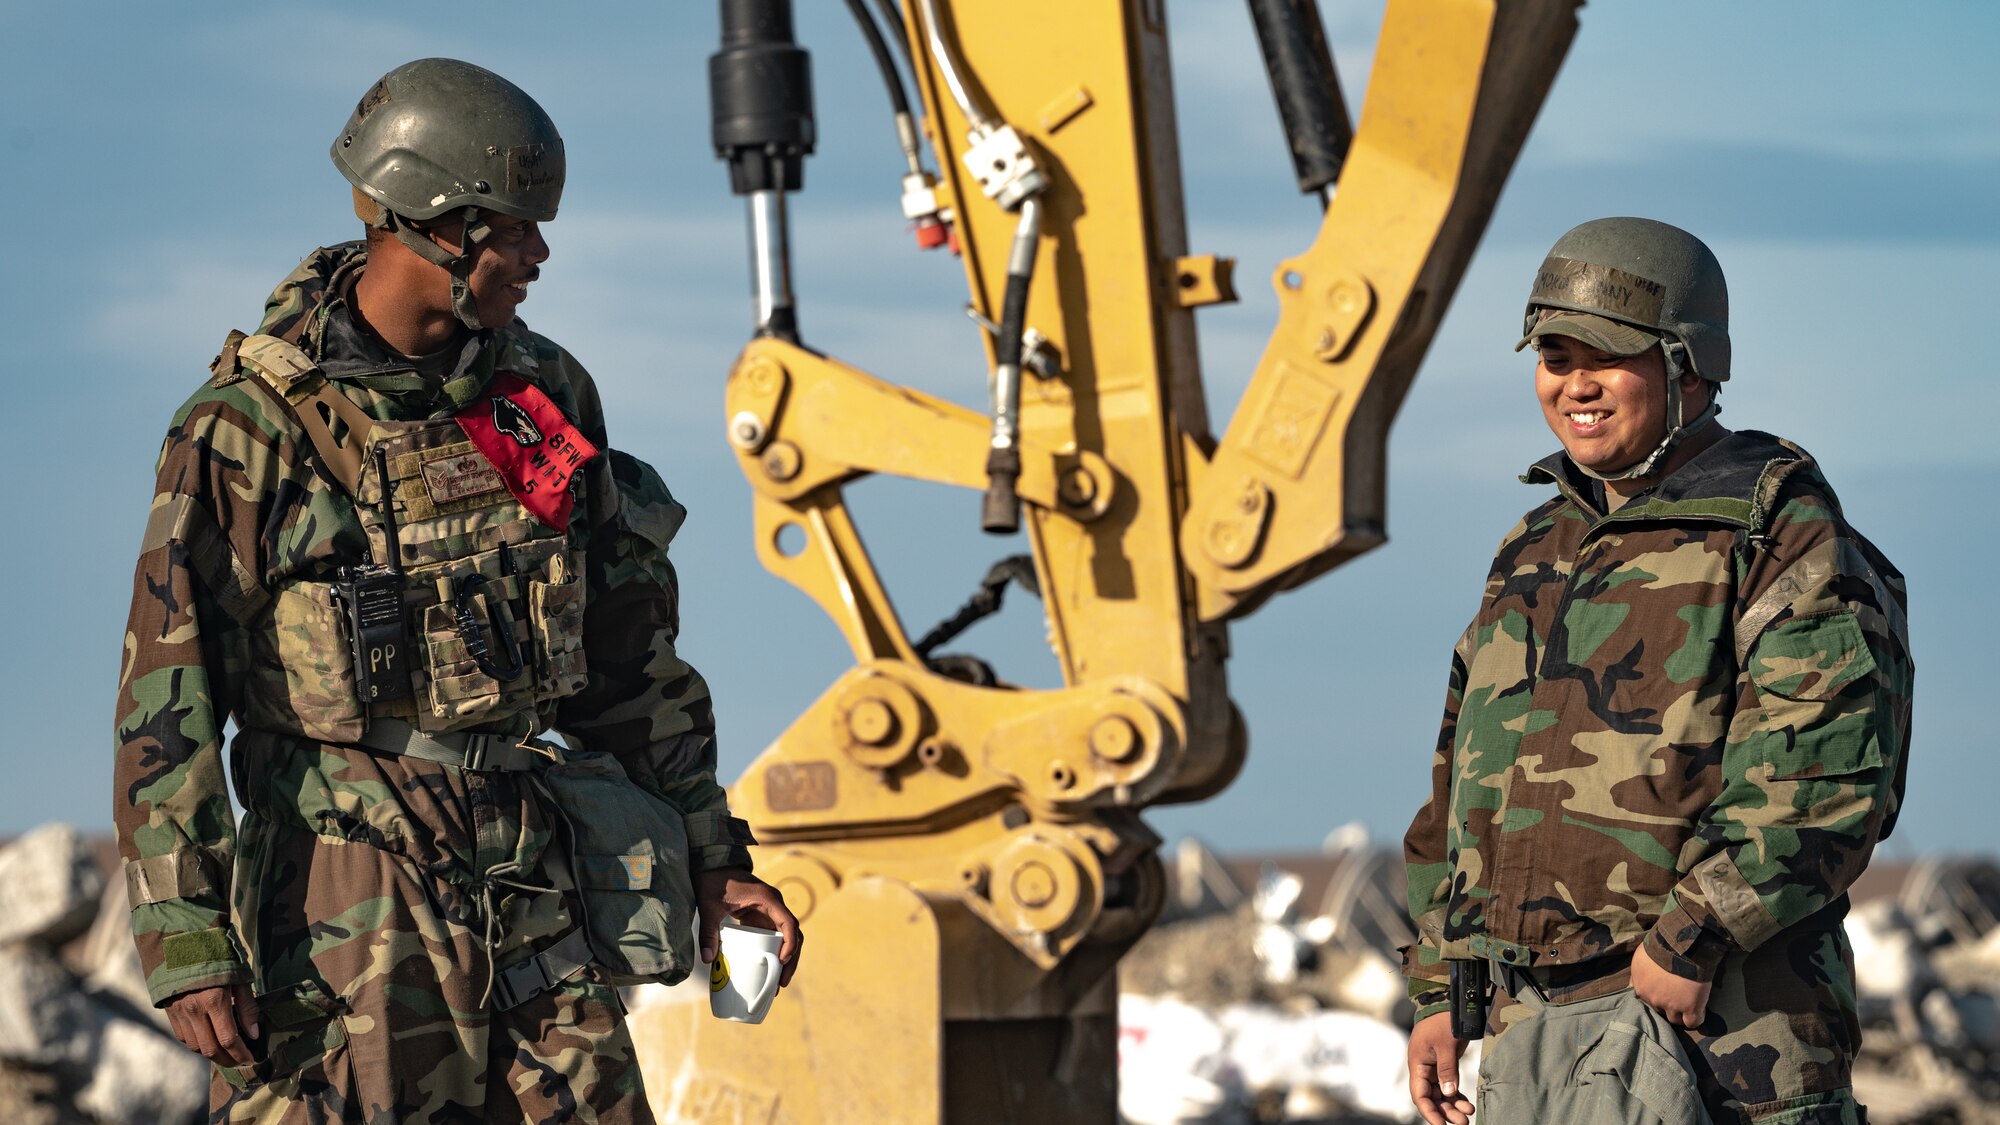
(167, 163)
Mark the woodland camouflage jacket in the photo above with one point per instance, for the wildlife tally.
(262, 516)
(1684, 723)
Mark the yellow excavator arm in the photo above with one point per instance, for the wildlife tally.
(968, 857)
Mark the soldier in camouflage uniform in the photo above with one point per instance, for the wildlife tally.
(1673, 735)
(391, 934)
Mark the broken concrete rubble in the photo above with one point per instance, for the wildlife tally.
(145, 1078)
(1286, 940)
(46, 1019)
(1928, 980)
(1275, 1001)
(49, 886)
(80, 1040)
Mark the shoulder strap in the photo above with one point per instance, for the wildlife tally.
(313, 401)
(282, 366)
(224, 367)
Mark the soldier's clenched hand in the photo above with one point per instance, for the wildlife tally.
(1434, 1085)
(732, 892)
(1682, 1001)
(218, 1022)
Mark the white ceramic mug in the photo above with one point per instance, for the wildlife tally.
(745, 974)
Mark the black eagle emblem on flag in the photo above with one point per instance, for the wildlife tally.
(510, 419)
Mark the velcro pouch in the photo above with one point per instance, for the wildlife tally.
(629, 854)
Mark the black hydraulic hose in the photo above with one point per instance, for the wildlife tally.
(892, 79)
(1001, 512)
(892, 18)
(1306, 88)
(1018, 569)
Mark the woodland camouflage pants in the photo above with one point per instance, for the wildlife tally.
(381, 1016)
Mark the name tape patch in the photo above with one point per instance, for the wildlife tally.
(460, 475)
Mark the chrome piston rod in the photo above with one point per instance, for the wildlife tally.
(771, 265)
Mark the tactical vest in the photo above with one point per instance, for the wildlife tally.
(490, 598)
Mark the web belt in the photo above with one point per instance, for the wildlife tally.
(468, 750)
(524, 980)
(1520, 984)
(1533, 987)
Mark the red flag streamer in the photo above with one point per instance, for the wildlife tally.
(533, 444)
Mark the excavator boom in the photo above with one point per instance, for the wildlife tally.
(968, 857)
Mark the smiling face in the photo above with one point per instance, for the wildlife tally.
(510, 257)
(1609, 411)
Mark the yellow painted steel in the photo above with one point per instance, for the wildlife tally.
(969, 861)
(824, 1043)
(1297, 486)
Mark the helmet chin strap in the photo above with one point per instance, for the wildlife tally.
(458, 265)
(1675, 352)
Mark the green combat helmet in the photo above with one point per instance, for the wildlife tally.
(1623, 286)
(438, 136)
